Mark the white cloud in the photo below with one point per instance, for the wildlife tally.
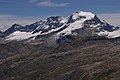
(48, 3)
(112, 18)
(52, 4)
(32, 1)
(5, 16)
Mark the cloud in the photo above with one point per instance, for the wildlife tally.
(112, 18)
(52, 4)
(5, 16)
(7, 21)
(48, 3)
(32, 1)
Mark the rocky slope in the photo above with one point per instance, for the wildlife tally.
(88, 59)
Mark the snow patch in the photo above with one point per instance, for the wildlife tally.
(18, 35)
(113, 34)
(72, 26)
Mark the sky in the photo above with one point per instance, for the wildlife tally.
(28, 11)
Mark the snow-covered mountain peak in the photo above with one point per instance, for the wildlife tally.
(79, 23)
(83, 15)
(56, 19)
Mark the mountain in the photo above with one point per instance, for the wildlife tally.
(77, 47)
(79, 24)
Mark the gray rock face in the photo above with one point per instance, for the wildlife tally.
(1, 34)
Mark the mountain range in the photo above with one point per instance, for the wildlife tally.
(76, 47)
(79, 24)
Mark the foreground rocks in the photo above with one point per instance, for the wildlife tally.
(76, 60)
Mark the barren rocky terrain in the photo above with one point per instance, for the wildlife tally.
(97, 59)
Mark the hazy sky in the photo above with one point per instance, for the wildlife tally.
(28, 11)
